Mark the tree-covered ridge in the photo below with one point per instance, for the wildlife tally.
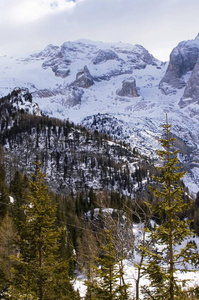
(19, 101)
(72, 157)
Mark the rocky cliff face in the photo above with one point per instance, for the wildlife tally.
(182, 60)
(83, 79)
(191, 92)
(104, 55)
(128, 89)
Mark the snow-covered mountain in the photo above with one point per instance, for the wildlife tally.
(119, 89)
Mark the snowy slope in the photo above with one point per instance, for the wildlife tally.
(131, 271)
(58, 81)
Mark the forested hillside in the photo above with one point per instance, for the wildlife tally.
(72, 157)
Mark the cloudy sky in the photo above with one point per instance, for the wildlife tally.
(27, 26)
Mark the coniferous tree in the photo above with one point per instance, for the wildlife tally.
(7, 248)
(90, 251)
(4, 194)
(196, 214)
(106, 286)
(38, 272)
(109, 281)
(163, 260)
(18, 189)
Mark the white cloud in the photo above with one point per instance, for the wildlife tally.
(29, 25)
(23, 11)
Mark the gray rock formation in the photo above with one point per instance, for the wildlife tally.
(128, 89)
(44, 93)
(144, 55)
(104, 55)
(83, 79)
(182, 60)
(59, 67)
(61, 70)
(138, 56)
(191, 93)
(73, 97)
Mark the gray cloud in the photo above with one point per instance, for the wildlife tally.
(157, 25)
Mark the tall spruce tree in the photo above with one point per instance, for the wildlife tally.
(168, 255)
(18, 189)
(106, 286)
(4, 192)
(90, 251)
(7, 248)
(109, 281)
(39, 273)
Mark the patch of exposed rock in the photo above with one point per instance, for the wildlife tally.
(49, 51)
(104, 55)
(83, 79)
(56, 60)
(144, 55)
(191, 93)
(128, 89)
(182, 60)
(60, 68)
(72, 95)
(44, 93)
(137, 55)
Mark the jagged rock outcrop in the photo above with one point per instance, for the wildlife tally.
(83, 79)
(182, 60)
(191, 93)
(104, 55)
(128, 89)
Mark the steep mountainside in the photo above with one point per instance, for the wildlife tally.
(119, 89)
